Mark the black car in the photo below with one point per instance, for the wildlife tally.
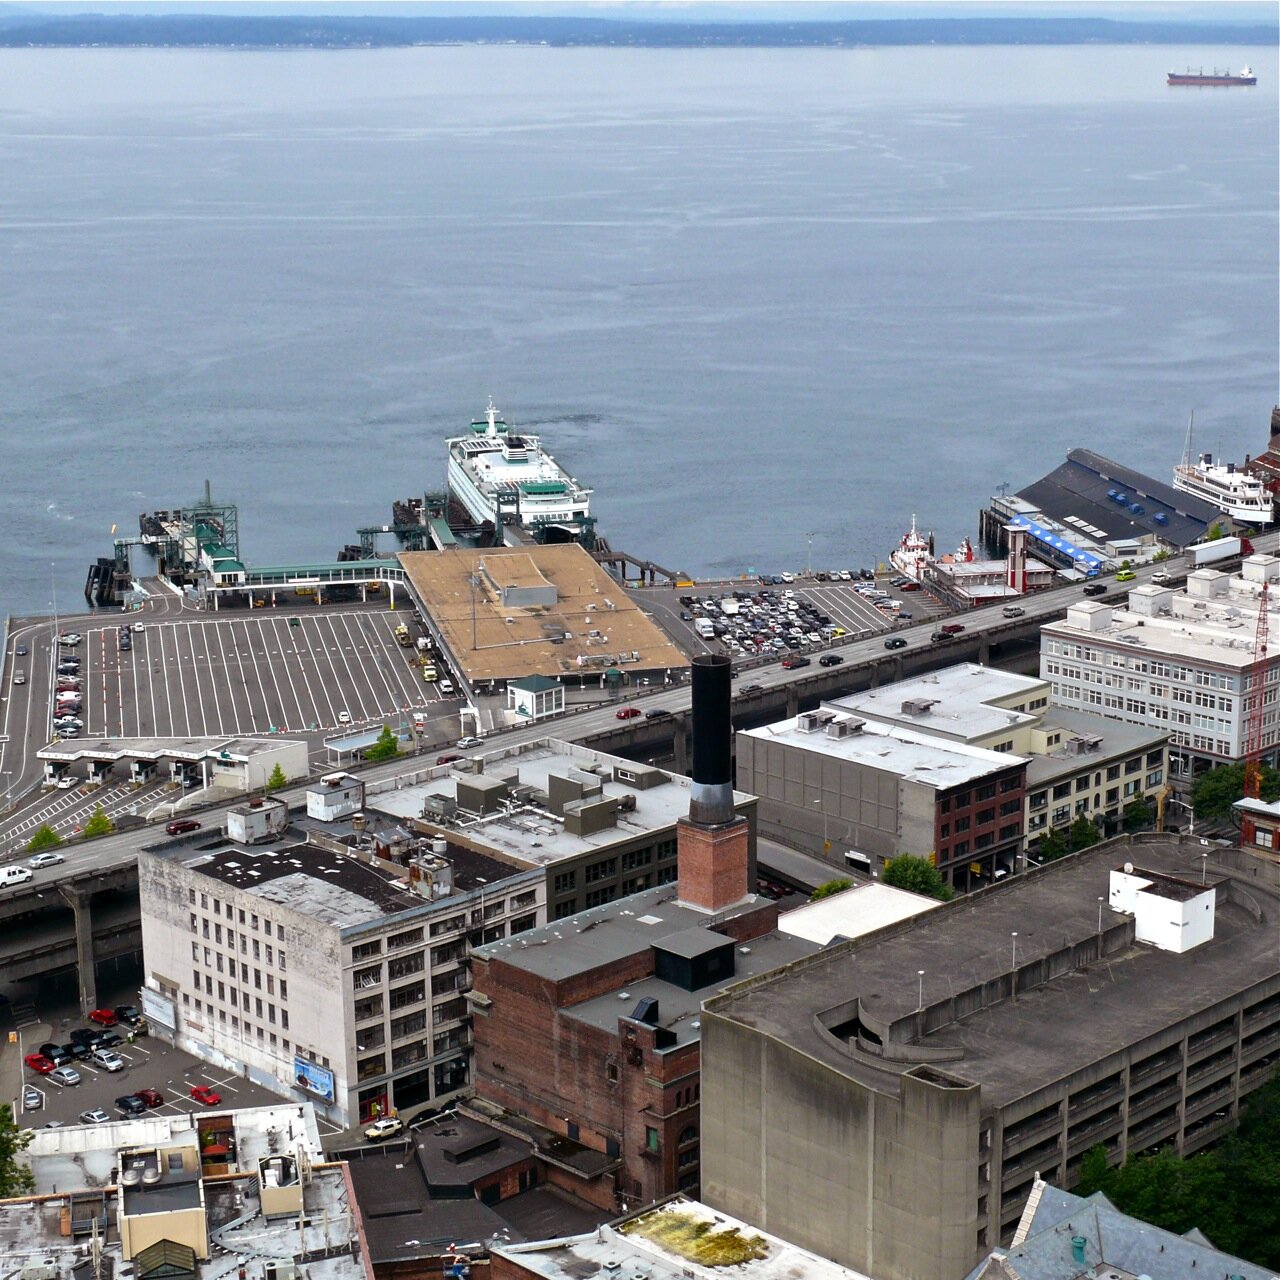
(1096, 589)
(85, 1035)
(657, 714)
(896, 642)
(107, 1040)
(21, 651)
(129, 1014)
(131, 1105)
(80, 1050)
(56, 1053)
(830, 660)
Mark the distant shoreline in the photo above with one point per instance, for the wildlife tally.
(239, 33)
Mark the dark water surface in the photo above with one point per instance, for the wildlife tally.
(747, 295)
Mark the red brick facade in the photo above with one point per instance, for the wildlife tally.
(610, 1090)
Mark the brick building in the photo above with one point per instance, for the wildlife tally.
(587, 1030)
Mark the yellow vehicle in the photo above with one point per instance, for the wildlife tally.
(429, 673)
(373, 588)
(838, 631)
(304, 591)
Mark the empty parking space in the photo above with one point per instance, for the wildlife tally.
(251, 674)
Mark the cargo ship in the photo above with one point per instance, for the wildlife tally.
(505, 480)
(1214, 77)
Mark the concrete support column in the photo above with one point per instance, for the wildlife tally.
(80, 905)
(793, 702)
(984, 651)
(364, 593)
(680, 742)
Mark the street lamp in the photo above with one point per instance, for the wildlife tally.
(809, 561)
(826, 834)
(1191, 814)
(920, 990)
(1102, 902)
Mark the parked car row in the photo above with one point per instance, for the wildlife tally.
(751, 624)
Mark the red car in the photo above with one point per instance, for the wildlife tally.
(181, 825)
(448, 758)
(104, 1017)
(628, 713)
(202, 1093)
(39, 1063)
(151, 1097)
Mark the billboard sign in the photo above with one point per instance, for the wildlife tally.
(158, 1009)
(314, 1078)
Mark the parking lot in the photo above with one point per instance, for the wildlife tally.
(776, 620)
(264, 672)
(149, 1064)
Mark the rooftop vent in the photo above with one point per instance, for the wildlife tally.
(918, 706)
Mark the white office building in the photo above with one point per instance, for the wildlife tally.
(1175, 660)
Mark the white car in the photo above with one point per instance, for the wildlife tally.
(344, 717)
(19, 678)
(71, 637)
(387, 1127)
(65, 784)
(788, 577)
(45, 860)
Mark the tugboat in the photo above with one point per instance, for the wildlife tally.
(913, 553)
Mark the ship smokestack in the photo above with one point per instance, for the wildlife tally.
(711, 796)
(714, 847)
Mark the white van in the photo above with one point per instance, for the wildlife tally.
(10, 876)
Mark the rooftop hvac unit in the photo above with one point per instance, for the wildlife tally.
(813, 721)
(844, 727)
(627, 803)
(918, 706)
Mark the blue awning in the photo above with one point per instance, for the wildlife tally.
(1059, 543)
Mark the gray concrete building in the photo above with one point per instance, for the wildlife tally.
(944, 1062)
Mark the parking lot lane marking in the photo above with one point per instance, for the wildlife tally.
(191, 675)
(302, 666)
(162, 666)
(262, 689)
(195, 634)
(215, 669)
(182, 672)
(236, 705)
(151, 682)
(286, 716)
(360, 682)
(333, 686)
(367, 644)
(409, 678)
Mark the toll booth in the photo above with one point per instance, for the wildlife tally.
(141, 771)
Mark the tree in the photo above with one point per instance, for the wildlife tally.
(386, 747)
(45, 838)
(1081, 834)
(1214, 792)
(826, 889)
(1215, 532)
(1052, 846)
(919, 875)
(1162, 555)
(15, 1178)
(98, 825)
(277, 781)
(1138, 815)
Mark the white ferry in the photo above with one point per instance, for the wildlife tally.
(505, 478)
(913, 553)
(1242, 496)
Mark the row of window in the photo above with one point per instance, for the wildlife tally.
(262, 952)
(247, 1029)
(220, 908)
(239, 999)
(607, 868)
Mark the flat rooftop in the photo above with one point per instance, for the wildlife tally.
(677, 1239)
(1218, 628)
(852, 913)
(961, 701)
(678, 1009)
(1010, 1049)
(597, 936)
(84, 1155)
(332, 888)
(189, 749)
(490, 641)
(31, 1232)
(531, 835)
(1118, 739)
(914, 756)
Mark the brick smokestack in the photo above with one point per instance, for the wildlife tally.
(713, 839)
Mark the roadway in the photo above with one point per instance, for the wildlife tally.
(863, 659)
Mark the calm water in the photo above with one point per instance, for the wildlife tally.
(749, 296)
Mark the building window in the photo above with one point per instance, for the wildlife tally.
(652, 1139)
(565, 882)
(636, 858)
(1012, 784)
(364, 978)
(404, 939)
(611, 1068)
(414, 993)
(605, 869)
(598, 897)
(403, 966)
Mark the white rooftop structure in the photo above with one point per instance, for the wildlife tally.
(526, 830)
(83, 1156)
(666, 1243)
(853, 912)
(914, 756)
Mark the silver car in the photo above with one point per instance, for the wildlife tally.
(64, 1076)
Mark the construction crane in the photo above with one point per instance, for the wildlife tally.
(1253, 740)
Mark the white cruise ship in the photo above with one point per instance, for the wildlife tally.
(1240, 495)
(494, 469)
